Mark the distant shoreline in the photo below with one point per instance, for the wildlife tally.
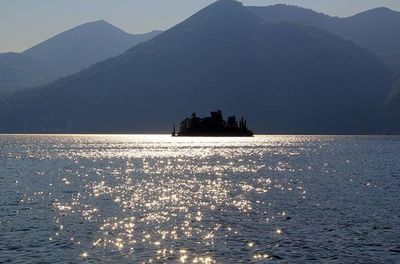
(169, 134)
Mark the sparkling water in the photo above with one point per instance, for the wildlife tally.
(162, 199)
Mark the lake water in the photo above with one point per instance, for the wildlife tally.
(158, 199)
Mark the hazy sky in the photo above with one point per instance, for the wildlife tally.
(24, 23)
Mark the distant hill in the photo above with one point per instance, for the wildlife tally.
(294, 14)
(65, 54)
(82, 46)
(285, 78)
(18, 71)
(392, 109)
(377, 30)
(393, 61)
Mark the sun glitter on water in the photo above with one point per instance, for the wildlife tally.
(161, 192)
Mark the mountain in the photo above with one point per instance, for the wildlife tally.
(82, 46)
(392, 109)
(286, 78)
(393, 61)
(65, 54)
(294, 14)
(377, 30)
(18, 71)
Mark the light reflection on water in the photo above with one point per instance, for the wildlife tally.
(152, 199)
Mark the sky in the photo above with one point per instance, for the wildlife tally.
(25, 23)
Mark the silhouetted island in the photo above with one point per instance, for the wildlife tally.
(213, 126)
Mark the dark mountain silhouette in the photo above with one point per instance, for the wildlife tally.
(285, 78)
(65, 54)
(393, 61)
(392, 109)
(18, 71)
(82, 46)
(377, 30)
(294, 14)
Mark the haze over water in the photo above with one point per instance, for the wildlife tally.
(156, 199)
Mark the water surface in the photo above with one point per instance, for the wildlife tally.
(158, 199)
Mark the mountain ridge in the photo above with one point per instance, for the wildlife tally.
(223, 57)
(373, 29)
(17, 72)
(66, 53)
(85, 45)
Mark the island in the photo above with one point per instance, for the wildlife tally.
(213, 126)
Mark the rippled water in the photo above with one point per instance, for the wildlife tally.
(157, 199)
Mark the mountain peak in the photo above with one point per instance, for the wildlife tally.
(379, 11)
(101, 21)
(96, 25)
(225, 5)
(220, 14)
(228, 2)
(77, 48)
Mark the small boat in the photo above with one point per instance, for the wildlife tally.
(174, 132)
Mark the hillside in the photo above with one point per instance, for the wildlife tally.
(65, 54)
(18, 72)
(82, 46)
(377, 30)
(285, 78)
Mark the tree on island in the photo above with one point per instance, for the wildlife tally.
(214, 125)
